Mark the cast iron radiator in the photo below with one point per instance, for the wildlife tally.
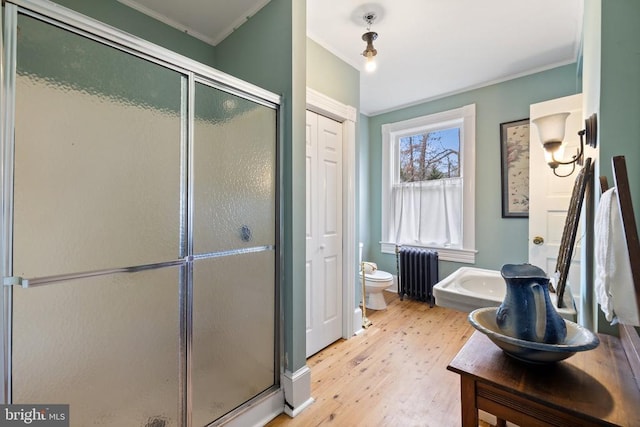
(417, 273)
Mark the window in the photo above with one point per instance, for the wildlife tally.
(428, 189)
(430, 155)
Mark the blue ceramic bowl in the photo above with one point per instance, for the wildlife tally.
(578, 339)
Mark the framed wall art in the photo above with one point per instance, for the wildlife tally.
(514, 149)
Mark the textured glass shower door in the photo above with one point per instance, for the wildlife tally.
(144, 218)
(234, 217)
(97, 220)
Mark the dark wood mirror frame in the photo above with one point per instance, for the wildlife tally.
(570, 231)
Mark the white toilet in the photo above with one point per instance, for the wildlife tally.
(375, 282)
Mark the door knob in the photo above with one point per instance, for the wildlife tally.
(322, 246)
(538, 240)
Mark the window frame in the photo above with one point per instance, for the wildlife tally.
(463, 117)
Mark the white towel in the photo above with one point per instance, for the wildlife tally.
(613, 282)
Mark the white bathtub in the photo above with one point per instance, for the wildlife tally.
(469, 288)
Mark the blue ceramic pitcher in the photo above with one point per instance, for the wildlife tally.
(527, 312)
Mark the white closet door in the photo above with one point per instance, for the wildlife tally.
(324, 231)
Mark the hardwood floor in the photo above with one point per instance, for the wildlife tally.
(393, 374)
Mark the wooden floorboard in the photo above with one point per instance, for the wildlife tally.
(393, 374)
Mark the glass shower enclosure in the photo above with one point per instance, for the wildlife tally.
(139, 227)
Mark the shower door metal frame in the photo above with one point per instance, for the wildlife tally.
(192, 72)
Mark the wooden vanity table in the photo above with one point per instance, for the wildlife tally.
(599, 387)
(591, 388)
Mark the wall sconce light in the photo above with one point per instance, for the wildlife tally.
(370, 52)
(551, 129)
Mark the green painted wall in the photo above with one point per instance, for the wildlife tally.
(269, 50)
(127, 19)
(364, 203)
(618, 121)
(363, 156)
(498, 240)
(612, 90)
(331, 76)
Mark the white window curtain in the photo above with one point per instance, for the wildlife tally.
(438, 214)
(427, 213)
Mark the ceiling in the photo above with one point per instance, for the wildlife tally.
(208, 20)
(427, 49)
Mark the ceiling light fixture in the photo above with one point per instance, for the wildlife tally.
(370, 52)
(551, 129)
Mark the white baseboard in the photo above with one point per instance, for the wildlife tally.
(260, 412)
(293, 412)
(297, 390)
(357, 321)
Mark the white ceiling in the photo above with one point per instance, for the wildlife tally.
(426, 48)
(208, 20)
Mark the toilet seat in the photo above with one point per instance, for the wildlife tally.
(378, 276)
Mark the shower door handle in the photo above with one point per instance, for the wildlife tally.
(47, 280)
